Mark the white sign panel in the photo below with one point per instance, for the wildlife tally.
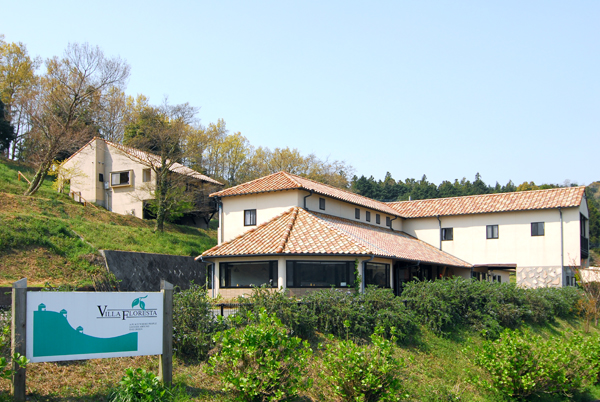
(92, 325)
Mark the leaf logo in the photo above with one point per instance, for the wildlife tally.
(140, 302)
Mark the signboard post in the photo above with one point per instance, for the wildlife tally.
(18, 336)
(59, 326)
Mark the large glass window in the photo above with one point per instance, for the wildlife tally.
(119, 179)
(248, 274)
(377, 274)
(319, 274)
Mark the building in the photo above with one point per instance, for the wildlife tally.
(120, 178)
(291, 232)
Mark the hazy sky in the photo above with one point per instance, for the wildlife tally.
(509, 89)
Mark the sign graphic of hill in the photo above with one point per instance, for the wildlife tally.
(54, 336)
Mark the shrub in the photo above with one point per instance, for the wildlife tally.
(261, 361)
(521, 363)
(364, 373)
(194, 323)
(5, 371)
(292, 313)
(139, 385)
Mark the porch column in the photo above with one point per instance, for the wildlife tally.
(281, 273)
(216, 278)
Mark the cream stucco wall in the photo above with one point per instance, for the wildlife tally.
(514, 244)
(98, 157)
(269, 205)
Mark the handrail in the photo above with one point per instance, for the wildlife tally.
(23, 176)
(85, 202)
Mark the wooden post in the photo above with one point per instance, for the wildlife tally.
(18, 336)
(165, 372)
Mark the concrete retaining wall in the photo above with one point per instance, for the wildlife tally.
(143, 271)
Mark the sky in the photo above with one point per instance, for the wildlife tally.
(446, 89)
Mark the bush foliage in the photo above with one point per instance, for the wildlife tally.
(261, 361)
(521, 363)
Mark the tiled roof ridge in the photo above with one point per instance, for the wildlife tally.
(248, 232)
(292, 177)
(482, 195)
(246, 184)
(288, 230)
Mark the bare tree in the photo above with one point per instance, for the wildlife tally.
(62, 113)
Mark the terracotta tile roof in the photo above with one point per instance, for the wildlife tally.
(486, 203)
(302, 232)
(286, 181)
(146, 157)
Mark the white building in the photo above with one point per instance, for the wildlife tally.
(296, 233)
(119, 178)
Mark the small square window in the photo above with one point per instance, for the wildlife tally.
(101, 177)
(357, 213)
(491, 231)
(322, 203)
(447, 233)
(378, 219)
(537, 228)
(250, 217)
(388, 221)
(368, 216)
(146, 175)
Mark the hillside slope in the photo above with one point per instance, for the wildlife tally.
(51, 238)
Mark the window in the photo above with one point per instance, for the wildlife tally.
(119, 179)
(248, 274)
(146, 175)
(322, 203)
(368, 216)
(250, 217)
(378, 275)
(447, 233)
(357, 213)
(388, 221)
(319, 274)
(537, 228)
(491, 231)
(377, 219)
(568, 282)
(101, 177)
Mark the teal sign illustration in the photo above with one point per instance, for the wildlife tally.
(87, 325)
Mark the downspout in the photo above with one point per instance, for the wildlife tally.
(363, 272)
(561, 243)
(440, 224)
(305, 197)
(391, 225)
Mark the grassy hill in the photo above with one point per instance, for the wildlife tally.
(51, 238)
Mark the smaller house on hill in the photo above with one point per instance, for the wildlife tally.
(120, 179)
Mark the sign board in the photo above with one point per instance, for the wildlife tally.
(90, 325)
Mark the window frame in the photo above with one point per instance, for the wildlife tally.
(388, 221)
(101, 177)
(322, 203)
(147, 171)
(120, 173)
(294, 279)
(386, 268)
(444, 234)
(225, 275)
(252, 214)
(536, 231)
(356, 213)
(489, 235)
(368, 216)
(378, 219)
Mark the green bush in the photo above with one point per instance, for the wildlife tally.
(364, 373)
(261, 361)
(521, 363)
(194, 323)
(447, 304)
(5, 371)
(140, 385)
